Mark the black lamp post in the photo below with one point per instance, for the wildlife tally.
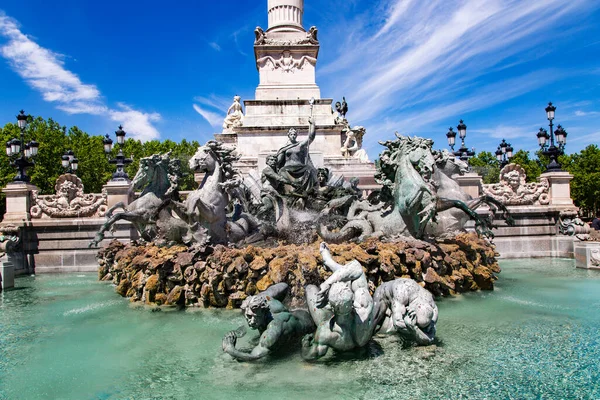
(120, 160)
(504, 153)
(17, 147)
(70, 162)
(463, 153)
(552, 150)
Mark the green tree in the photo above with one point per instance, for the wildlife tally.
(585, 186)
(486, 165)
(94, 168)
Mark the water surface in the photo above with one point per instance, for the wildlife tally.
(535, 336)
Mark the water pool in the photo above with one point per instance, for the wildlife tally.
(535, 336)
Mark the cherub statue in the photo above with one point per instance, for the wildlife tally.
(352, 147)
(342, 109)
(235, 114)
(278, 327)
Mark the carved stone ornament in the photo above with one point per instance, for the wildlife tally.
(595, 257)
(514, 191)
(69, 201)
(261, 38)
(573, 226)
(286, 62)
(9, 239)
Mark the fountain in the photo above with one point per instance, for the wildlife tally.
(197, 252)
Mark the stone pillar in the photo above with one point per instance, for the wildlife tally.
(285, 15)
(560, 189)
(7, 273)
(118, 191)
(18, 201)
(470, 183)
(587, 255)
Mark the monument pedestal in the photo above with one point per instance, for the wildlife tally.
(18, 201)
(560, 189)
(470, 183)
(118, 191)
(7, 273)
(587, 255)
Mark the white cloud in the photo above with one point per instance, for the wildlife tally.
(215, 46)
(213, 118)
(45, 71)
(580, 113)
(41, 68)
(137, 123)
(428, 53)
(508, 132)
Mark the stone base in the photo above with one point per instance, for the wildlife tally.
(61, 245)
(535, 234)
(7, 273)
(587, 255)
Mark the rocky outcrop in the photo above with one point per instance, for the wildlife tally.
(224, 277)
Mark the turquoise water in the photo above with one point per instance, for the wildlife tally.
(71, 337)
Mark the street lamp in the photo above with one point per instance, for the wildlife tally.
(504, 153)
(552, 150)
(120, 159)
(70, 162)
(463, 153)
(15, 147)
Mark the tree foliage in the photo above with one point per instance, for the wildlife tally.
(486, 165)
(94, 168)
(585, 186)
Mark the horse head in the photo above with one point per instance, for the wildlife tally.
(157, 173)
(205, 158)
(419, 152)
(449, 164)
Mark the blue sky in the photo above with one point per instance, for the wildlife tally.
(170, 70)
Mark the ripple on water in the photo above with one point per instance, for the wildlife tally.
(536, 336)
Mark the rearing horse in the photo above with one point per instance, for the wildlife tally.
(207, 204)
(414, 195)
(157, 176)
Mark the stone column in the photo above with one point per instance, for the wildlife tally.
(560, 189)
(285, 14)
(7, 273)
(470, 183)
(118, 191)
(18, 201)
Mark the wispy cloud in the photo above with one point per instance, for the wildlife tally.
(213, 118)
(432, 60)
(44, 70)
(213, 108)
(215, 46)
(580, 113)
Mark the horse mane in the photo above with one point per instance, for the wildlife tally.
(172, 169)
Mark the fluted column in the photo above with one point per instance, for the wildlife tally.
(285, 15)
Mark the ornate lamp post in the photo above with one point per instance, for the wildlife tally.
(552, 150)
(463, 153)
(17, 147)
(120, 160)
(504, 153)
(70, 162)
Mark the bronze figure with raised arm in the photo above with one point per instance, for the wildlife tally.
(294, 163)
